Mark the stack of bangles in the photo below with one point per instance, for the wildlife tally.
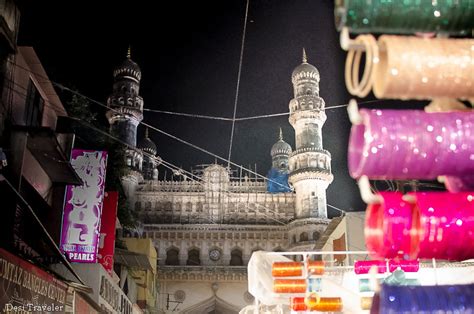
(437, 225)
(407, 67)
(363, 267)
(404, 17)
(313, 302)
(413, 144)
(353, 85)
(427, 299)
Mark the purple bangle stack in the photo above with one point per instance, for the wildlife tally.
(412, 144)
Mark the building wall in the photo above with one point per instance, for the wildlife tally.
(27, 69)
(225, 238)
(186, 202)
(355, 235)
(203, 289)
(145, 279)
(351, 228)
(105, 291)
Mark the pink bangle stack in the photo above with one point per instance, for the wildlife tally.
(439, 225)
(409, 266)
(413, 144)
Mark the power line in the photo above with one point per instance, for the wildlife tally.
(154, 128)
(238, 83)
(190, 115)
(55, 106)
(198, 116)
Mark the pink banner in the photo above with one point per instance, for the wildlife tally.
(107, 231)
(83, 207)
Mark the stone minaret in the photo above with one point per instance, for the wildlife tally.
(278, 174)
(150, 163)
(124, 117)
(310, 164)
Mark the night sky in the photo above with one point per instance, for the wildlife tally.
(189, 54)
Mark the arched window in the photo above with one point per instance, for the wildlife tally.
(294, 238)
(316, 236)
(189, 206)
(303, 236)
(193, 257)
(172, 257)
(199, 207)
(236, 258)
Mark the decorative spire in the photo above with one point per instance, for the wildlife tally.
(305, 59)
(146, 132)
(281, 135)
(129, 52)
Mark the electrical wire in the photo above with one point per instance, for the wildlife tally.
(159, 130)
(55, 107)
(238, 83)
(190, 115)
(248, 118)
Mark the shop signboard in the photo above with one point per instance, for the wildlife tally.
(83, 207)
(26, 288)
(107, 231)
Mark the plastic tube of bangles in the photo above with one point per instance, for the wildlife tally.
(325, 304)
(408, 266)
(363, 267)
(423, 68)
(438, 225)
(427, 299)
(296, 285)
(295, 269)
(406, 67)
(404, 17)
(411, 144)
(389, 227)
(446, 225)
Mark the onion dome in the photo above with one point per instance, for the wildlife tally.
(147, 145)
(128, 69)
(305, 71)
(281, 147)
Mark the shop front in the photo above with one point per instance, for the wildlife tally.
(25, 287)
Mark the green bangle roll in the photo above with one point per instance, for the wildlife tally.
(453, 17)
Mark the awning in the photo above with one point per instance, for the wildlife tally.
(132, 259)
(44, 146)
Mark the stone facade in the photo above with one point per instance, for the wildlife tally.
(205, 229)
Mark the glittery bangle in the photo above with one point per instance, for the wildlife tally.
(427, 299)
(353, 85)
(411, 144)
(389, 226)
(405, 17)
(363, 267)
(423, 68)
(446, 226)
(408, 266)
(289, 286)
(324, 305)
(438, 226)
